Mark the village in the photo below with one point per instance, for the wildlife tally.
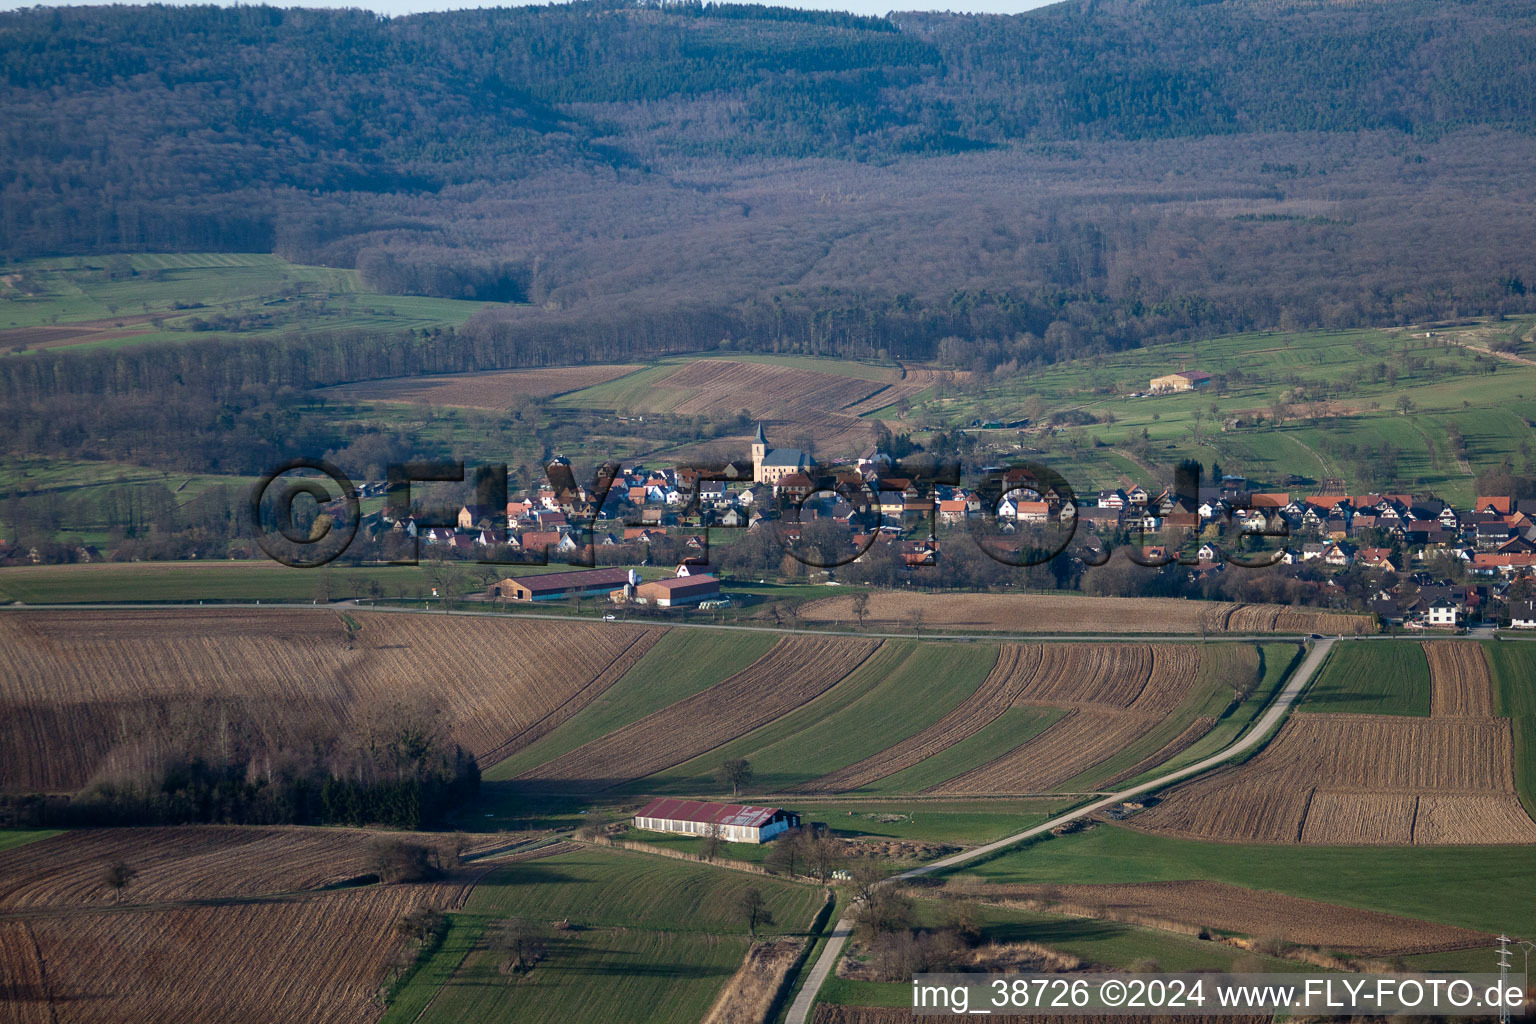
(1427, 563)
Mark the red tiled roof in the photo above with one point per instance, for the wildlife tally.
(1272, 499)
(706, 812)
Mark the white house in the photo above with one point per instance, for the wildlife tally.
(1443, 612)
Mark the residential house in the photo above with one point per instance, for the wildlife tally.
(1522, 615)
(1377, 558)
(1443, 612)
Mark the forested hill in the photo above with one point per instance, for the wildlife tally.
(717, 155)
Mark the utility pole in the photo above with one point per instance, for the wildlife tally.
(1503, 978)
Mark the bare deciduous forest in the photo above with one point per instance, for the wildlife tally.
(1129, 171)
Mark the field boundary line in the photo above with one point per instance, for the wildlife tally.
(991, 637)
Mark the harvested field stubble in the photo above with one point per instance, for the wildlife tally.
(749, 995)
(108, 693)
(1071, 613)
(796, 670)
(319, 958)
(1459, 684)
(1360, 779)
(1115, 692)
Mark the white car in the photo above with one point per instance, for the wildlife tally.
(610, 617)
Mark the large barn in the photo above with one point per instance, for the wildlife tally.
(738, 823)
(552, 586)
(678, 590)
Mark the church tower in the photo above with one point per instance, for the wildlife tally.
(759, 452)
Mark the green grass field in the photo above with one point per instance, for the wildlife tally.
(12, 838)
(1463, 885)
(1372, 679)
(186, 581)
(1514, 668)
(1343, 388)
(254, 580)
(679, 665)
(905, 687)
(959, 822)
(166, 294)
(651, 940)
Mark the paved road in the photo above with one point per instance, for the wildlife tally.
(800, 1009)
(988, 637)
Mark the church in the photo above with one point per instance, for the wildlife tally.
(770, 465)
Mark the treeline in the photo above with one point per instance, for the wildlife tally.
(220, 763)
(201, 793)
(446, 275)
(849, 325)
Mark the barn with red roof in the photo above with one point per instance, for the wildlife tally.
(737, 823)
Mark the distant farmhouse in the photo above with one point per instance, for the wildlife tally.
(736, 823)
(770, 465)
(1184, 380)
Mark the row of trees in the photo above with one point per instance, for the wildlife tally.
(225, 763)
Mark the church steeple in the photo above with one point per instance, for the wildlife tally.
(759, 452)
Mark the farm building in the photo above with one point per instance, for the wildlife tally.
(678, 590)
(1184, 380)
(737, 822)
(556, 585)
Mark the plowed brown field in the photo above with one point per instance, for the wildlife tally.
(1458, 680)
(221, 924)
(1251, 912)
(1360, 779)
(1071, 613)
(797, 669)
(727, 386)
(319, 958)
(1359, 818)
(85, 695)
(827, 406)
(197, 862)
(494, 390)
(1116, 693)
